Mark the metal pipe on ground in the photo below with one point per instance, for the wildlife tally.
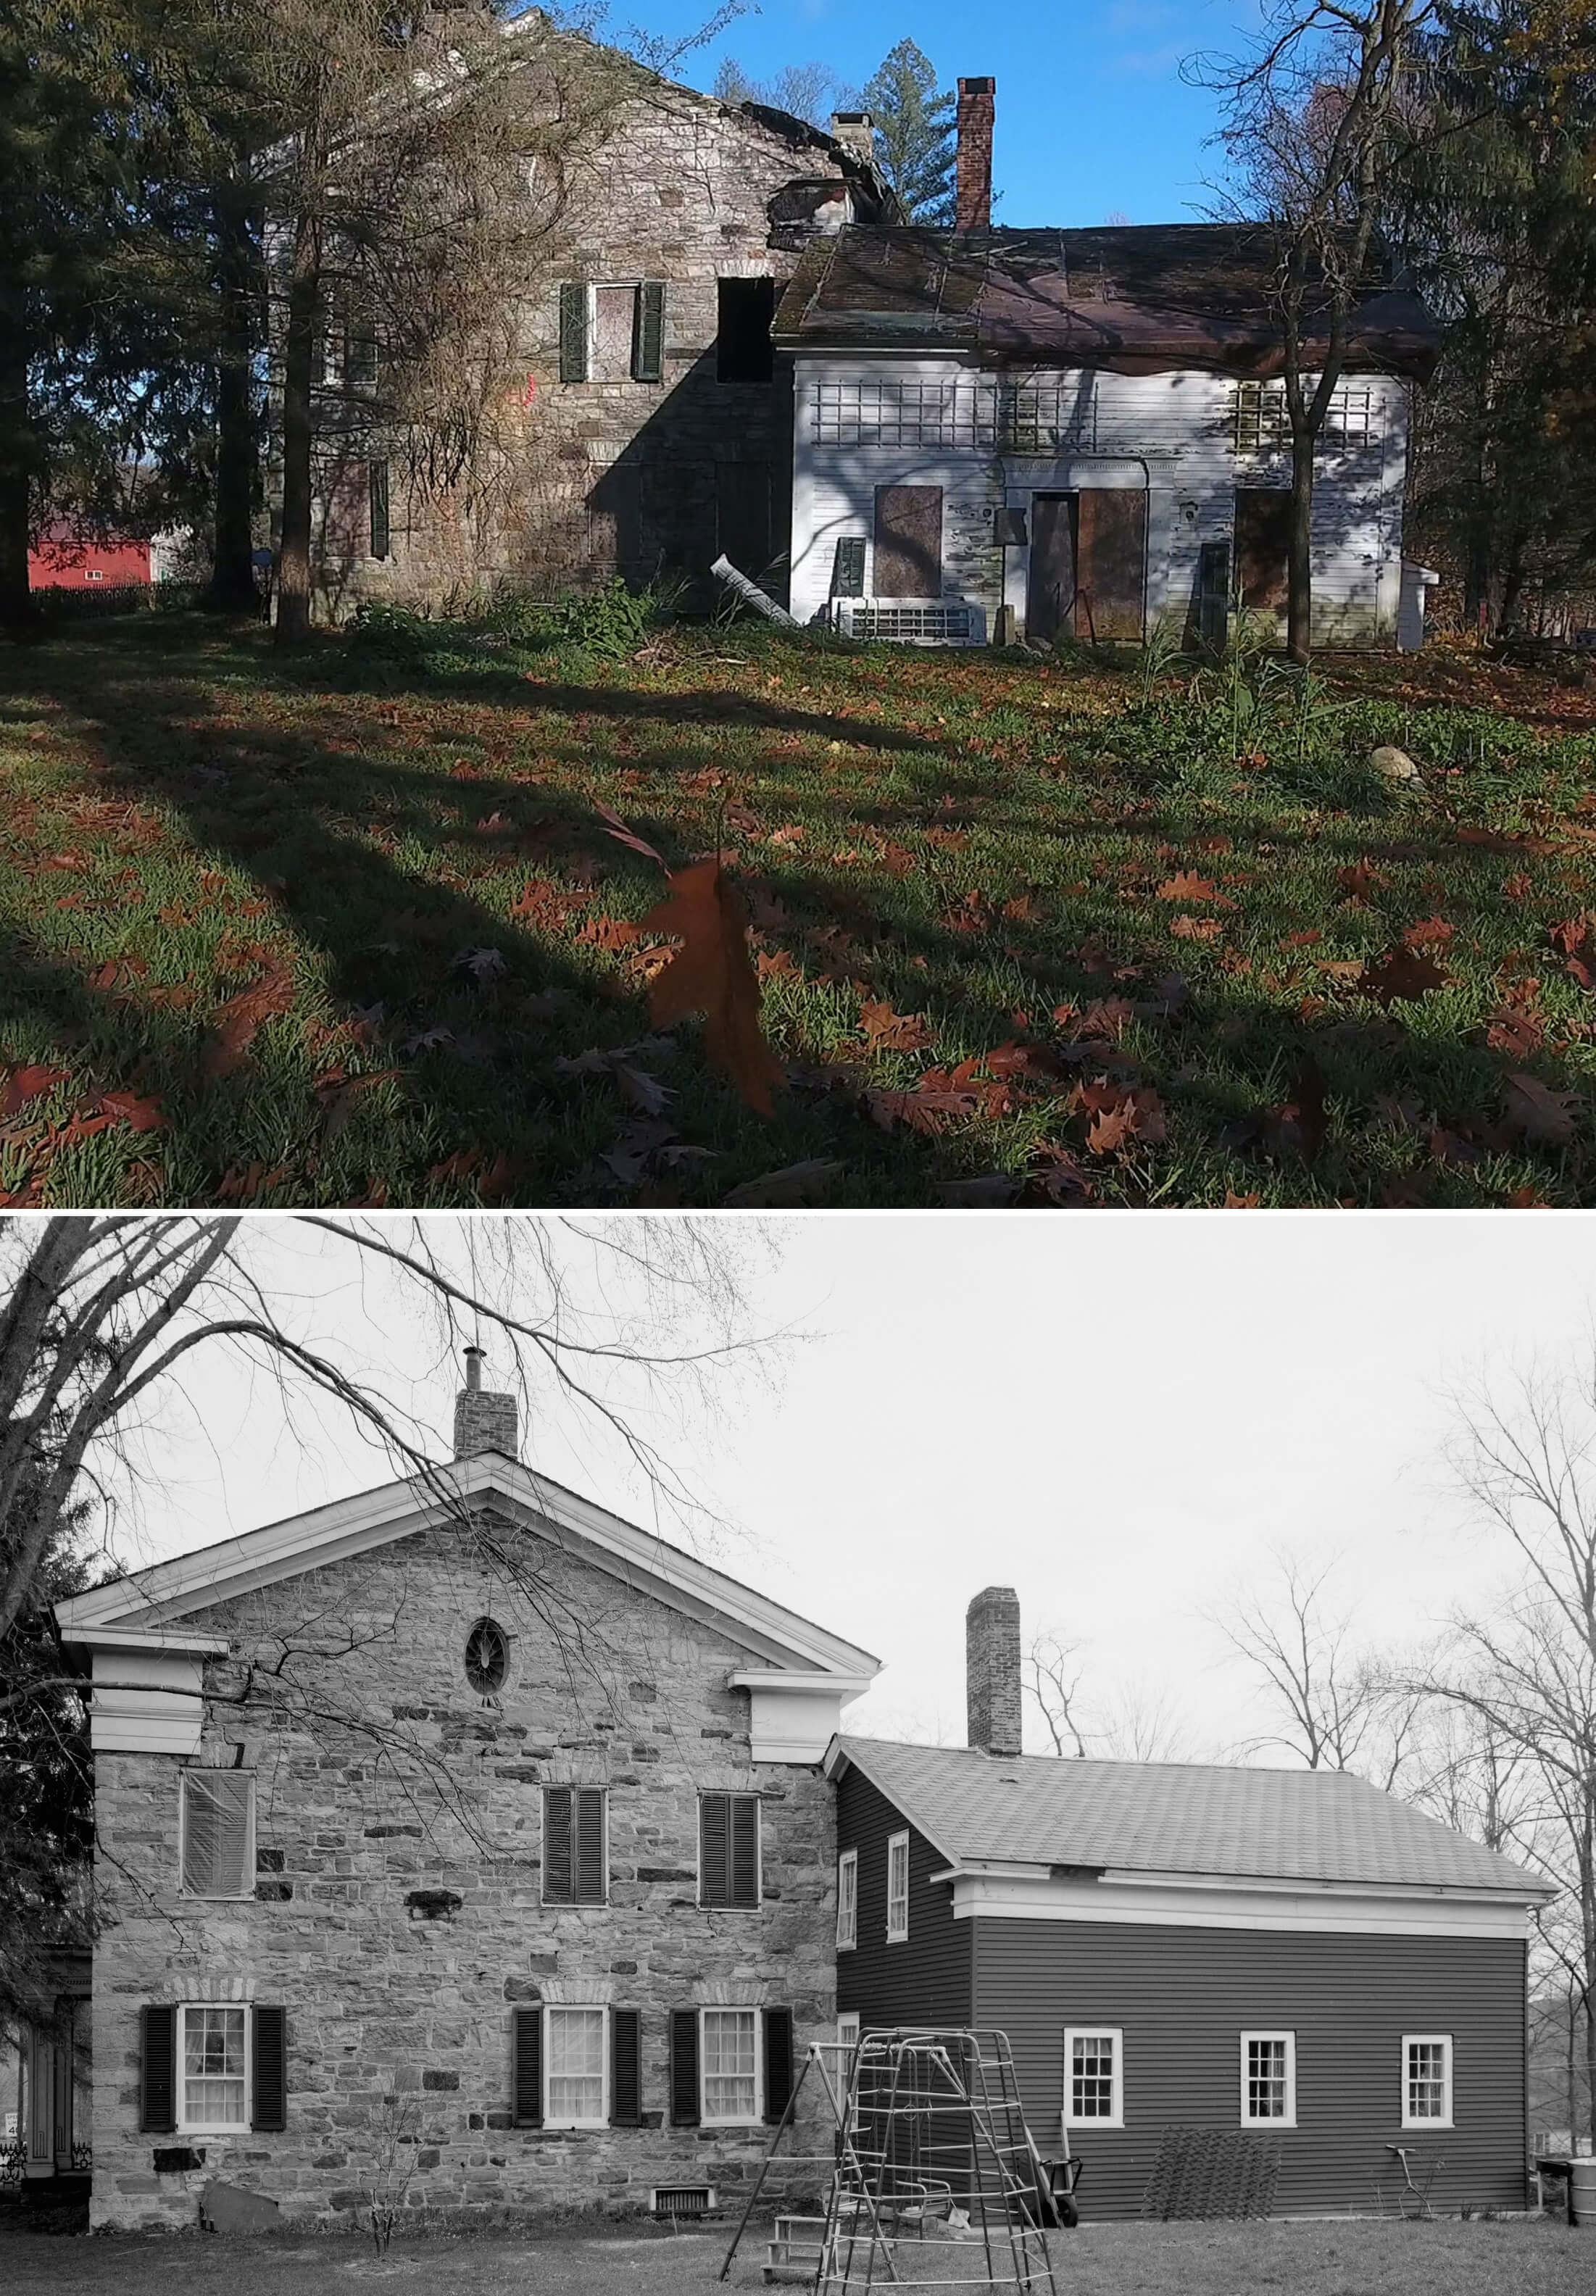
(750, 593)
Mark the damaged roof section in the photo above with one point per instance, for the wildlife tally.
(1135, 299)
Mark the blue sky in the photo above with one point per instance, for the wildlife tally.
(1094, 119)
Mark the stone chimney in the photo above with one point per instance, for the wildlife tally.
(992, 1677)
(483, 1421)
(856, 132)
(972, 202)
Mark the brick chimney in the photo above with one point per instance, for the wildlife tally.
(856, 132)
(992, 1677)
(483, 1421)
(972, 202)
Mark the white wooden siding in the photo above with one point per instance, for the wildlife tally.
(873, 421)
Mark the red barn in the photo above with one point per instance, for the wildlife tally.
(64, 562)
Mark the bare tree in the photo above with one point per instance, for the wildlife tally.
(1524, 1672)
(1335, 1707)
(1133, 1723)
(1314, 127)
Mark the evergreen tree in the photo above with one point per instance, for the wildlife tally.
(914, 133)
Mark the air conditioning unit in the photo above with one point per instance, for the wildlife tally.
(683, 2201)
(909, 621)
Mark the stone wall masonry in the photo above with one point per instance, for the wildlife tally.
(589, 479)
(380, 1773)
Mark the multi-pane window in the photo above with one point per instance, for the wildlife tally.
(213, 2083)
(1012, 417)
(730, 2064)
(898, 1888)
(576, 2069)
(1351, 420)
(1426, 2080)
(1268, 2079)
(576, 1867)
(847, 1899)
(218, 1833)
(728, 1849)
(1092, 2079)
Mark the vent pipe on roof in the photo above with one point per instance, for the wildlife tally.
(972, 197)
(483, 1421)
(992, 1670)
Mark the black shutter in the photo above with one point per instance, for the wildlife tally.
(778, 2061)
(376, 476)
(573, 330)
(684, 2068)
(714, 1850)
(745, 1849)
(157, 2061)
(526, 2037)
(270, 2056)
(648, 333)
(626, 2068)
(590, 1875)
(557, 1871)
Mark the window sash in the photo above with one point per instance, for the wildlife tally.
(217, 1834)
(729, 2065)
(847, 1899)
(214, 2043)
(1268, 2080)
(576, 2069)
(1093, 2084)
(1427, 2080)
(898, 1888)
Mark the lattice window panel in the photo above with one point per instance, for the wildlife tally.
(932, 624)
(1351, 419)
(895, 414)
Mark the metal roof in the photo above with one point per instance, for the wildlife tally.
(1136, 298)
(1180, 1818)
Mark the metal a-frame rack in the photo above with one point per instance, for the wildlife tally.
(935, 2182)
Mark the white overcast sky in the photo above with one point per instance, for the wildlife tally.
(1117, 1415)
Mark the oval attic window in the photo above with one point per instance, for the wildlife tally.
(487, 1657)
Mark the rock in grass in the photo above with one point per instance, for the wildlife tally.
(1395, 766)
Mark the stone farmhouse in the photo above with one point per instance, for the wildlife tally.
(1052, 433)
(462, 1808)
(650, 426)
(464, 1837)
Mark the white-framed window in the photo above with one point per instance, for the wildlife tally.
(898, 1888)
(1094, 2077)
(1268, 2080)
(218, 1828)
(1427, 2080)
(847, 1900)
(213, 2051)
(577, 2068)
(848, 2030)
(729, 2066)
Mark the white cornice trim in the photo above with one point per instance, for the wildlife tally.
(1200, 1904)
(153, 1638)
(148, 1601)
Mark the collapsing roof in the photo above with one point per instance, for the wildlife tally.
(1134, 298)
(1175, 1818)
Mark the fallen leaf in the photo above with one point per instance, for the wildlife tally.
(239, 1018)
(1185, 928)
(1538, 1112)
(893, 1032)
(794, 1184)
(1186, 885)
(1401, 975)
(1429, 932)
(1514, 1032)
(24, 1085)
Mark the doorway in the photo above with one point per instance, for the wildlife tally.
(1088, 572)
(1050, 590)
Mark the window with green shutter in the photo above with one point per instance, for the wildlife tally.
(573, 330)
(648, 333)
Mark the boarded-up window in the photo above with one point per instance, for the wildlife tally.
(219, 1814)
(743, 350)
(614, 323)
(908, 561)
(1263, 532)
(1110, 563)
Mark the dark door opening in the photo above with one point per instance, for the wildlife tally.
(1050, 592)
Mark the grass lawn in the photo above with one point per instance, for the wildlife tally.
(351, 930)
(1541, 2259)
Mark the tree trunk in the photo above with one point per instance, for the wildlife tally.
(16, 462)
(298, 379)
(1299, 566)
(233, 588)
